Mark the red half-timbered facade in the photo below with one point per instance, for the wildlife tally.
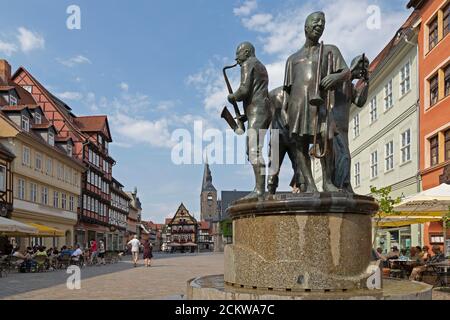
(91, 137)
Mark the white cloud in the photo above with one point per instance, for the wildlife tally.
(155, 133)
(124, 86)
(70, 95)
(71, 62)
(282, 33)
(246, 8)
(7, 48)
(30, 40)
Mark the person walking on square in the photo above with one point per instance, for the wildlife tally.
(148, 253)
(94, 252)
(135, 244)
(101, 252)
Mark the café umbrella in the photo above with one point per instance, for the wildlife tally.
(12, 228)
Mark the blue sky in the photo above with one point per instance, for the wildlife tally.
(155, 66)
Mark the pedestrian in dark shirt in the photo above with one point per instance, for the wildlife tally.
(148, 253)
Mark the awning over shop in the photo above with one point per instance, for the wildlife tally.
(46, 232)
(427, 206)
(404, 221)
(12, 228)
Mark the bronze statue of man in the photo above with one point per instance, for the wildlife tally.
(254, 94)
(344, 97)
(299, 86)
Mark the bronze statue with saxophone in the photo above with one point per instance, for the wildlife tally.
(254, 94)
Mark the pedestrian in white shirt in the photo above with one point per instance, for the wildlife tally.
(135, 245)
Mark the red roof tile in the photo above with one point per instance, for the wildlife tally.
(204, 225)
(394, 41)
(91, 123)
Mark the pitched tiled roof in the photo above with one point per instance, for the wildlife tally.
(204, 225)
(91, 123)
(415, 15)
(37, 137)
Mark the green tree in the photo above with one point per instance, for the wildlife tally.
(386, 203)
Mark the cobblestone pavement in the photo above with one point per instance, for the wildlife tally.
(166, 279)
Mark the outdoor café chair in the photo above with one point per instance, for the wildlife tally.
(41, 263)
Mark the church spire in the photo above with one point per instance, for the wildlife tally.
(207, 179)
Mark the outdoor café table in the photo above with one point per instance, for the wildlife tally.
(405, 266)
(442, 271)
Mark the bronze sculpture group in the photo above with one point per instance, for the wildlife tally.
(309, 115)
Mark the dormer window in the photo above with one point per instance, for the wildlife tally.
(12, 100)
(100, 140)
(37, 118)
(51, 138)
(69, 149)
(25, 123)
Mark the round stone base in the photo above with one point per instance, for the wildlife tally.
(301, 242)
(213, 288)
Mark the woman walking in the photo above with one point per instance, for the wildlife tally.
(148, 250)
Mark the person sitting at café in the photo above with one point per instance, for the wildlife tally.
(416, 273)
(77, 255)
(426, 253)
(66, 251)
(403, 255)
(19, 255)
(394, 254)
(41, 252)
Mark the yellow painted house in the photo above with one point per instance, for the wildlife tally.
(46, 177)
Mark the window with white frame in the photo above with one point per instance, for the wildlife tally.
(60, 171)
(71, 203)
(56, 199)
(38, 161)
(63, 201)
(373, 110)
(33, 192)
(22, 189)
(356, 126)
(25, 123)
(26, 156)
(374, 165)
(405, 78)
(357, 174)
(389, 156)
(44, 195)
(388, 100)
(49, 167)
(406, 146)
(2, 178)
(69, 149)
(51, 138)
(37, 118)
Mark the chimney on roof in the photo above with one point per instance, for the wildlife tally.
(5, 72)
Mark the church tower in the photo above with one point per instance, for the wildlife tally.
(208, 197)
